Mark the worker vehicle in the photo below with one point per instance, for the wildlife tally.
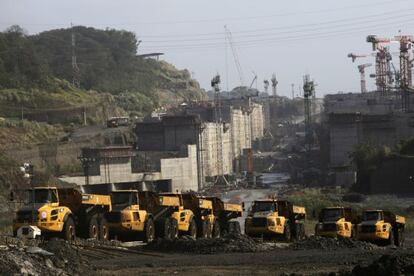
(147, 215)
(276, 218)
(117, 121)
(65, 212)
(382, 227)
(336, 222)
(212, 216)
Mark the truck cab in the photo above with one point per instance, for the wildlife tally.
(277, 218)
(336, 222)
(381, 226)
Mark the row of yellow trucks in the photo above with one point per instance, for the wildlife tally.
(145, 215)
(128, 214)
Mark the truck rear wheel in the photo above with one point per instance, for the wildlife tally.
(149, 230)
(286, 234)
(205, 230)
(69, 231)
(399, 237)
(216, 230)
(103, 229)
(192, 229)
(174, 228)
(234, 227)
(163, 228)
(93, 229)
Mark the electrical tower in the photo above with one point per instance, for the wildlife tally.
(361, 69)
(215, 84)
(308, 93)
(274, 85)
(75, 68)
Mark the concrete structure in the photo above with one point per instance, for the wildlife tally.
(107, 168)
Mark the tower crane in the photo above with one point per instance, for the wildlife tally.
(254, 80)
(361, 69)
(274, 84)
(229, 38)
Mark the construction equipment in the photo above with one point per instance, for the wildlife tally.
(212, 216)
(229, 39)
(274, 84)
(65, 212)
(147, 215)
(275, 218)
(336, 222)
(381, 226)
(266, 86)
(361, 69)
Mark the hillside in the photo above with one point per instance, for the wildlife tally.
(41, 64)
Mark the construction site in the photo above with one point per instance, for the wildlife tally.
(114, 162)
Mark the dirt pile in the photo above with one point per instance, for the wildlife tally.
(388, 265)
(226, 244)
(316, 242)
(53, 257)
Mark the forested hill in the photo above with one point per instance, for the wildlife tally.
(108, 63)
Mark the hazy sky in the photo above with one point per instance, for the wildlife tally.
(289, 38)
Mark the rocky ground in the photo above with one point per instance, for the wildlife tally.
(229, 255)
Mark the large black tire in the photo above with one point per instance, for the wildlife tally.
(103, 229)
(391, 237)
(234, 227)
(287, 236)
(174, 228)
(93, 228)
(149, 230)
(297, 231)
(216, 230)
(69, 230)
(399, 237)
(192, 229)
(163, 228)
(353, 232)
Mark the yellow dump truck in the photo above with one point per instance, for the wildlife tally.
(65, 212)
(213, 217)
(382, 227)
(128, 219)
(275, 218)
(336, 222)
(146, 215)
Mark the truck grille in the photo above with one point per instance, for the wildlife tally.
(329, 227)
(27, 216)
(259, 222)
(368, 228)
(113, 217)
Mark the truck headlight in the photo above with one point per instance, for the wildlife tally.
(44, 215)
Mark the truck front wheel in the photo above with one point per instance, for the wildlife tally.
(216, 230)
(69, 231)
(286, 233)
(174, 228)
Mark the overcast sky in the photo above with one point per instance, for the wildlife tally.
(288, 38)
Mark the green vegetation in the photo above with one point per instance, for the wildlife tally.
(36, 71)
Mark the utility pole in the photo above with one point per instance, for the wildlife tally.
(75, 68)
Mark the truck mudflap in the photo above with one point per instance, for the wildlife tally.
(29, 232)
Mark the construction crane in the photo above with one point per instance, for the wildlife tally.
(355, 56)
(254, 80)
(308, 93)
(361, 69)
(229, 39)
(266, 86)
(274, 84)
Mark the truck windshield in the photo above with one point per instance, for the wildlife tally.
(263, 206)
(41, 196)
(372, 215)
(123, 198)
(332, 214)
